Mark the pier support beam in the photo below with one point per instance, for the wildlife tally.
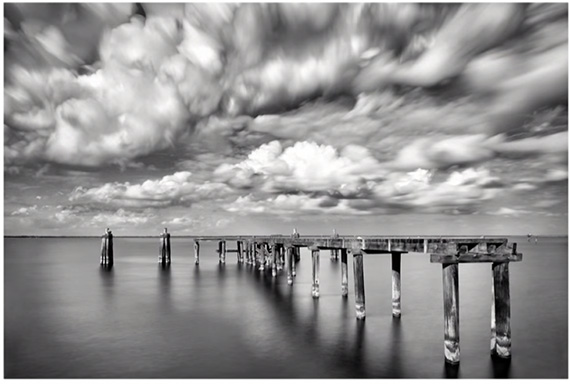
(107, 256)
(396, 284)
(451, 312)
(501, 311)
(196, 253)
(344, 272)
(359, 299)
(290, 261)
(315, 254)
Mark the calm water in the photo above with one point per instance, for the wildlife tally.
(65, 317)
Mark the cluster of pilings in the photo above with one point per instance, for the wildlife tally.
(281, 253)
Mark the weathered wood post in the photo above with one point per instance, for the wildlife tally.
(344, 272)
(196, 252)
(222, 251)
(107, 256)
(451, 312)
(274, 261)
(502, 310)
(238, 251)
(296, 257)
(164, 256)
(357, 256)
(262, 257)
(396, 284)
(290, 261)
(315, 258)
(254, 253)
(249, 252)
(280, 256)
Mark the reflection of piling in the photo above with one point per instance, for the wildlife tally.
(107, 257)
(164, 251)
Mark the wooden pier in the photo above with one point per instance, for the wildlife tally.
(281, 252)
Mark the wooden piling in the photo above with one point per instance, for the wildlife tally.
(451, 312)
(107, 256)
(344, 272)
(274, 261)
(315, 254)
(222, 251)
(396, 284)
(239, 251)
(168, 249)
(502, 310)
(290, 261)
(280, 256)
(164, 256)
(296, 257)
(359, 297)
(196, 252)
(262, 257)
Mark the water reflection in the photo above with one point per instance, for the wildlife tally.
(450, 371)
(164, 286)
(501, 368)
(395, 352)
(107, 279)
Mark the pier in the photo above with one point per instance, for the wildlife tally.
(277, 253)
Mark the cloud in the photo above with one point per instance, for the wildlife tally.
(120, 217)
(305, 167)
(291, 205)
(504, 211)
(25, 211)
(175, 189)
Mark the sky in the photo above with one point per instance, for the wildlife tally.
(372, 119)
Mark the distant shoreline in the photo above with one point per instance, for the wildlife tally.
(193, 236)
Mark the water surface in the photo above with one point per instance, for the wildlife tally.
(67, 317)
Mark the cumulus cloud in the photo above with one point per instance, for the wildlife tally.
(291, 204)
(305, 166)
(120, 217)
(24, 211)
(175, 189)
(504, 211)
(182, 63)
